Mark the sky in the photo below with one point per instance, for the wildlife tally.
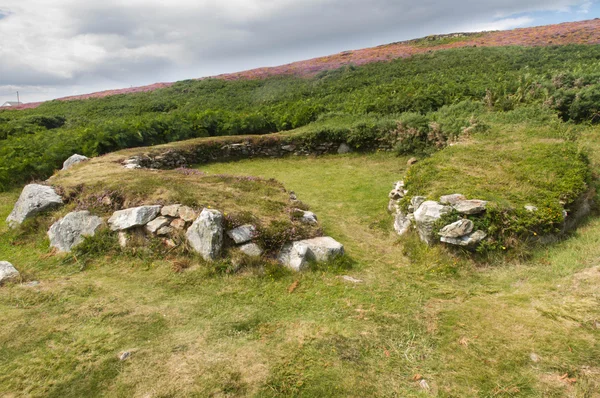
(56, 48)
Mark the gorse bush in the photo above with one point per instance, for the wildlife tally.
(454, 84)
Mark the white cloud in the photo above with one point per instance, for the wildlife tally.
(74, 45)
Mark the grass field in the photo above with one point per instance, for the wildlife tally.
(520, 329)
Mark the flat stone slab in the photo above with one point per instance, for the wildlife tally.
(467, 240)
(7, 271)
(34, 199)
(242, 234)
(73, 160)
(452, 199)
(157, 224)
(308, 217)
(134, 217)
(205, 235)
(251, 250)
(470, 206)
(297, 255)
(457, 229)
(70, 230)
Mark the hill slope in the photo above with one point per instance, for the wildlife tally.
(584, 32)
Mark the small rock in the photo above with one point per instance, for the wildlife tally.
(178, 224)
(424, 385)
(351, 279)
(401, 224)
(164, 231)
(308, 217)
(187, 214)
(156, 224)
(426, 216)
(7, 271)
(470, 206)
(31, 284)
(397, 194)
(34, 199)
(394, 206)
(124, 355)
(170, 210)
(343, 149)
(468, 240)
(417, 201)
(534, 357)
(169, 243)
(452, 199)
(457, 229)
(134, 217)
(123, 239)
(70, 230)
(205, 236)
(411, 161)
(242, 234)
(251, 249)
(73, 160)
(293, 196)
(531, 208)
(289, 148)
(296, 255)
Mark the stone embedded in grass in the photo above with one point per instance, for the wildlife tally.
(187, 214)
(308, 217)
(297, 255)
(242, 234)
(251, 250)
(401, 224)
(411, 161)
(343, 149)
(470, 206)
(178, 224)
(70, 230)
(7, 271)
(452, 199)
(205, 236)
(73, 160)
(531, 208)
(426, 216)
(157, 224)
(134, 217)
(457, 229)
(170, 210)
(34, 199)
(471, 239)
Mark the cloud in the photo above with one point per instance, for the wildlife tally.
(70, 46)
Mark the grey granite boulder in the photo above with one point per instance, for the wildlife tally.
(452, 199)
(73, 160)
(205, 236)
(426, 216)
(7, 271)
(297, 255)
(471, 239)
(242, 234)
(70, 230)
(401, 224)
(34, 199)
(134, 217)
(470, 206)
(457, 229)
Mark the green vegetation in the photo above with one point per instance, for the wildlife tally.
(35, 142)
(467, 330)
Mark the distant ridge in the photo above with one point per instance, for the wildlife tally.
(583, 32)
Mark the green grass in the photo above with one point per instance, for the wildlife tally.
(468, 330)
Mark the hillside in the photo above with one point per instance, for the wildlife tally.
(584, 32)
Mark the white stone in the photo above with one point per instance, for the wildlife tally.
(70, 230)
(426, 215)
(157, 224)
(401, 224)
(242, 234)
(73, 160)
(7, 271)
(468, 240)
(134, 217)
(205, 236)
(308, 217)
(297, 255)
(531, 208)
(34, 199)
(417, 201)
(251, 249)
(457, 229)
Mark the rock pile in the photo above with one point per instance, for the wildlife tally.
(423, 215)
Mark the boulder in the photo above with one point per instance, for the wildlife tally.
(457, 229)
(73, 160)
(242, 234)
(170, 211)
(343, 149)
(134, 217)
(251, 250)
(297, 255)
(70, 230)
(426, 215)
(401, 224)
(187, 214)
(470, 206)
(417, 201)
(205, 236)
(156, 224)
(471, 239)
(452, 199)
(34, 199)
(7, 271)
